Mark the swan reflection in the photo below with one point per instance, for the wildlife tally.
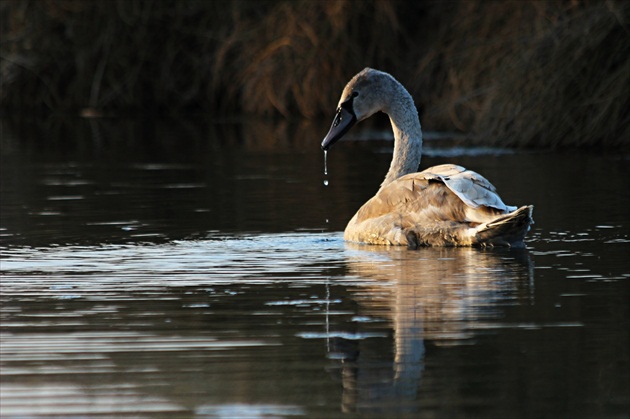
(441, 295)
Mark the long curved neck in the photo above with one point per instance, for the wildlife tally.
(407, 134)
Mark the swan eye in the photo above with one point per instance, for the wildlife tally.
(355, 94)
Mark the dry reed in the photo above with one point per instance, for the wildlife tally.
(543, 74)
(532, 74)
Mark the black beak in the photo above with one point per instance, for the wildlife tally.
(344, 120)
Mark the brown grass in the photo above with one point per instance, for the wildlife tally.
(294, 58)
(515, 73)
(544, 74)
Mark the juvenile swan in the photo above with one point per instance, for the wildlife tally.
(444, 205)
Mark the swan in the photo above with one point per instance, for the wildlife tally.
(445, 205)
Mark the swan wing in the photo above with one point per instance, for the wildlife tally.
(472, 188)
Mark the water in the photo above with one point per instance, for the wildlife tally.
(196, 270)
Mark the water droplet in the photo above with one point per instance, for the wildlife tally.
(325, 167)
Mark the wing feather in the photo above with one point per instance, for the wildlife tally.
(472, 188)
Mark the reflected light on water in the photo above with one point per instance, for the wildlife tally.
(440, 295)
(199, 271)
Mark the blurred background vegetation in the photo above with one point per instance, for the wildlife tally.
(509, 73)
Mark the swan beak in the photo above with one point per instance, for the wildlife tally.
(344, 120)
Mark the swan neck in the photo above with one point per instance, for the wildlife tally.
(407, 135)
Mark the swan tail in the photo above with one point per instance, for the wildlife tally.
(507, 230)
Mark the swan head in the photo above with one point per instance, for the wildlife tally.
(364, 95)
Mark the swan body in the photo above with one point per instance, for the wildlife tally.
(444, 205)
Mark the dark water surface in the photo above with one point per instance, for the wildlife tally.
(194, 270)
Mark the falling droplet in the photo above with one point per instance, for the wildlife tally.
(325, 167)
